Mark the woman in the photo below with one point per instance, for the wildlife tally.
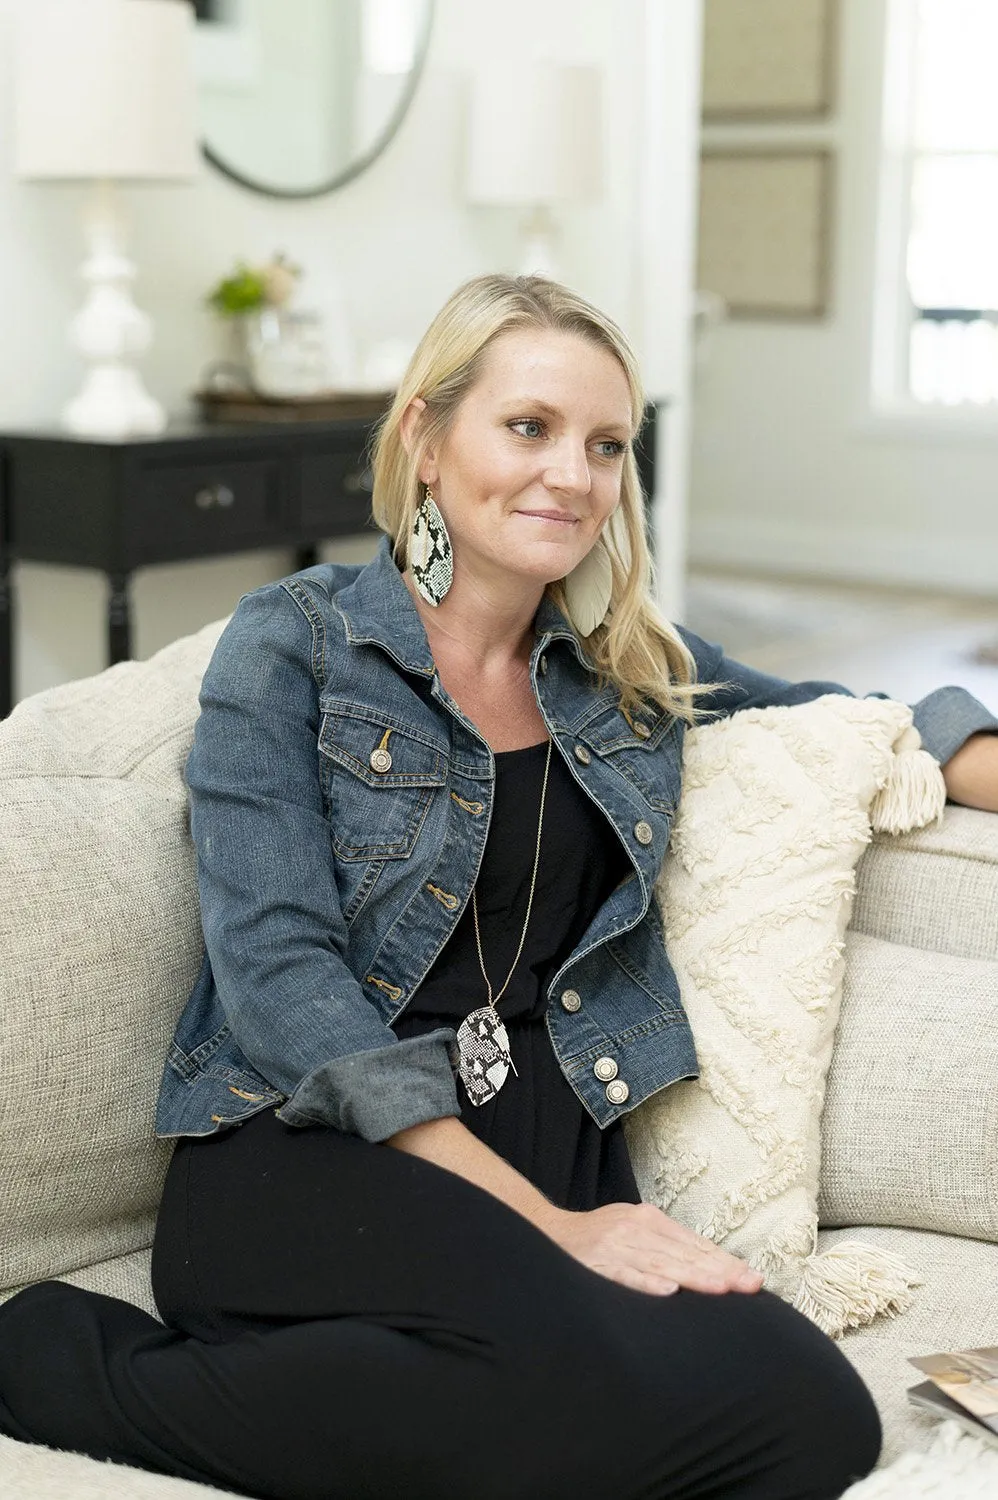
(400, 1249)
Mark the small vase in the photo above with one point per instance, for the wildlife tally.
(285, 352)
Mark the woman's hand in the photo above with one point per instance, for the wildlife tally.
(642, 1248)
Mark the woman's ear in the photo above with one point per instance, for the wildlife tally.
(409, 422)
(409, 425)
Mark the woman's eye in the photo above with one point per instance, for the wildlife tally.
(530, 427)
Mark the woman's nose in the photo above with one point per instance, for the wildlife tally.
(569, 470)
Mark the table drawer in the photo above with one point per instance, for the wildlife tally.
(335, 493)
(188, 510)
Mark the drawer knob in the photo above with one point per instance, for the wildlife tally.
(214, 495)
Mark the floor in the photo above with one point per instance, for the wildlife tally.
(904, 642)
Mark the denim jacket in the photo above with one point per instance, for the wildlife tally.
(328, 887)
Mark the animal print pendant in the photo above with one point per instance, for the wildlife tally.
(485, 1055)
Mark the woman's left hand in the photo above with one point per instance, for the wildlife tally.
(971, 775)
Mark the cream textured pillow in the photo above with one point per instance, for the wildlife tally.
(755, 892)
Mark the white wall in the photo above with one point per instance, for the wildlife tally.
(381, 256)
(788, 472)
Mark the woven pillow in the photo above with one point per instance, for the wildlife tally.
(909, 1131)
(101, 939)
(755, 892)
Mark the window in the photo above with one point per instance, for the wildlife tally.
(951, 260)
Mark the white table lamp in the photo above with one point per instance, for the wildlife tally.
(105, 92)
(534, 140)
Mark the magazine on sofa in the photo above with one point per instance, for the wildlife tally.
(963, 1386)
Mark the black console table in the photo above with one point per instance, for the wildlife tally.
(194, 491)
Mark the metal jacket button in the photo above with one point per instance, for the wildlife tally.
(617, 1092)
(544, 666)
(381, 760)
(604, 1068)
(643, 832)
(641, 730)
(571, 1000)
(582, 754)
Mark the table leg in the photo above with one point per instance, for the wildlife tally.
(6, 634)
(6, 598)
(119, 618)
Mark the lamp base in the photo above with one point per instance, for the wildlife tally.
(113, 402)
(538, 256)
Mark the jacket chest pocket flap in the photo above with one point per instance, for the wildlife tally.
(378, 780)
(650, 760)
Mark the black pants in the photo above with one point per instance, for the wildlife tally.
(348, 1322)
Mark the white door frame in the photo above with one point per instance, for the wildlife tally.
(665, 240)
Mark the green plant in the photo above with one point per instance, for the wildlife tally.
(252, 287)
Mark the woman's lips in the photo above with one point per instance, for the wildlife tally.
(550, 515)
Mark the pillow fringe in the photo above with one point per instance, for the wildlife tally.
(851, 1283)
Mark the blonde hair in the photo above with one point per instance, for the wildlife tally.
(636, 648)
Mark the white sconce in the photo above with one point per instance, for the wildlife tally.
(534, 141)
(105, 92)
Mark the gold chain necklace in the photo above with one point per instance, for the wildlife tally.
(482, 1038)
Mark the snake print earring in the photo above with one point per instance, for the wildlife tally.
(431, 556)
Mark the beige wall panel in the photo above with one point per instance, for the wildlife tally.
(763, 232)
(767, 58)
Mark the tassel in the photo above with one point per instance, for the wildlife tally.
(914, 793)
(851, 1283)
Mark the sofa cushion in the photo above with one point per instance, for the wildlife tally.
(101, 937)
(909, 1132)
(125, 1276)
(956, 1308)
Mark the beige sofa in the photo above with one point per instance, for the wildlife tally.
(101, 941)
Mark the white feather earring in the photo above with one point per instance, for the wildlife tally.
(587, 589)
(588, 586)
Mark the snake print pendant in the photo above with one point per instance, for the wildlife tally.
(485, 1056)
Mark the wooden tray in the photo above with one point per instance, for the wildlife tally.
(248, 406)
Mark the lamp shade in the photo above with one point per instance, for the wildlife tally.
(105, 88)
(535, 134)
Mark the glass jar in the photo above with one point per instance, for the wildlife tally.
(285, 352)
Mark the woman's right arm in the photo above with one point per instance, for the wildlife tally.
(270, 907)
(635, 1244)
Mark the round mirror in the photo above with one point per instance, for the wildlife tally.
(296, 97)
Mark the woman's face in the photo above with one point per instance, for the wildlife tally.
(531, 466)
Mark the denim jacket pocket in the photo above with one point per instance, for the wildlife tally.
(378, 779)
(647, 750)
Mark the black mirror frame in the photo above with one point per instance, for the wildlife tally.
(363, 162)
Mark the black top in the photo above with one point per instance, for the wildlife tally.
(536, 1122)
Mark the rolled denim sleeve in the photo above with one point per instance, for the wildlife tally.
(273, 924)
(945, 718)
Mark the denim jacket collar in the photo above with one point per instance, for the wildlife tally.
(378, 609)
